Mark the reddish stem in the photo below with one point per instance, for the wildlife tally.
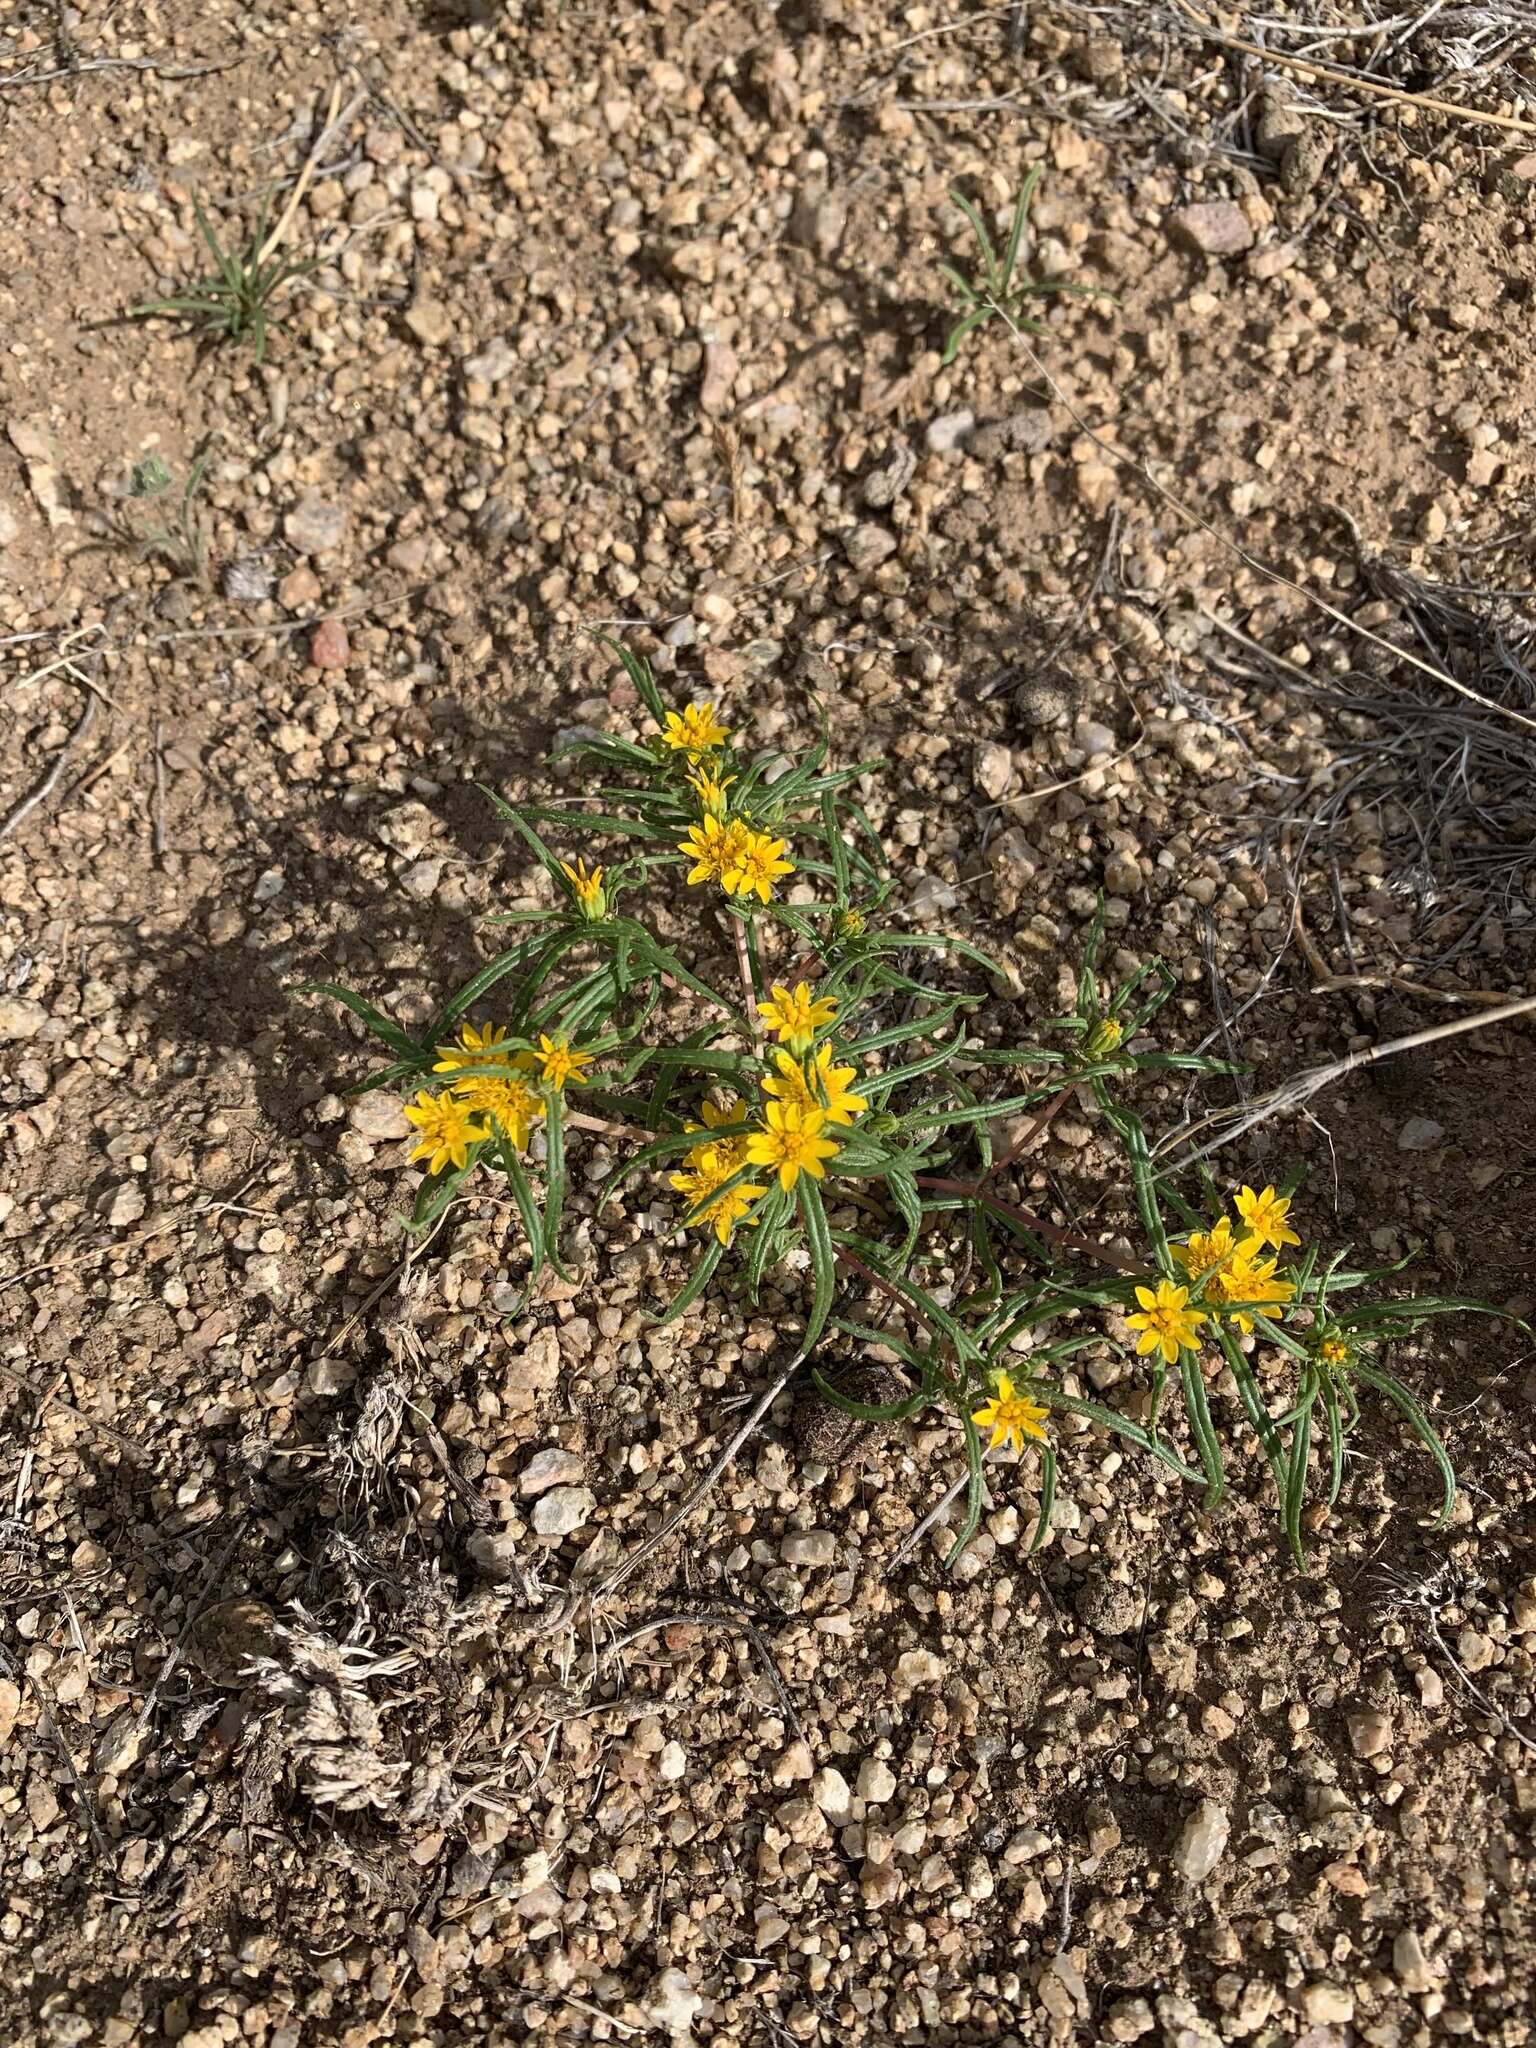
(1051, 1232)
(1041, 1122)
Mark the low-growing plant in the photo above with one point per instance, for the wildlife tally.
(158, 522)
(996, 289)
(824, 1111)
(233, 301)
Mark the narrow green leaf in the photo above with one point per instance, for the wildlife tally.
(397, 1040)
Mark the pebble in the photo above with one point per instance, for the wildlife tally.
(829, 1789)
(867, 546)
(673, 1762)
(1370, 1732)
(1410, 1965)
(1202, 1841)
(549, 1468)
(950, 431)
(672, 2003)
(314, 526)
(299, 589)
(721, 365)
(330, 647)
(562, 1510)
(379, 1117)
(880, 1884)
(1420, 1134)
(876, 1782)
(121, 1205)
(1107, 1607)
(430, 321)
(1326, 2004)
(1212, 227)
(993, 769)
(918, 1667)
(809, 1547)
(889, 478)
(20, 1018)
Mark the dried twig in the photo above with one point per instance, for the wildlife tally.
(301, 183)
(717, 1618)
(56, 1400)
(1294, 1094)
(1355, 81)
(50, 782)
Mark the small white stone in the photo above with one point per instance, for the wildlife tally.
(918, 1667)
(1202, 1839)
(877, 1781)
(563, 1510)
(549, 1468)
(672, 2003)
(672, 1762)
(809, 1547)
(1420, 1134)
(829, 1789)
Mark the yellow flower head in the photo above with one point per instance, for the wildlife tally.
(1206, 1251)
(792, 1143)
(1166, 1322)
(713, 847)
(1333, 1351)
(795, 1015)
(849, 924)
(694, 731)
(729, 1207)
(1011, 1416)
(710, 791)
(1249, 1278)
(587, 887)
(448, 1128)
(509, 1102)
(719, 1155)
(820, 1085)
(1105, 1038)
(556, 1061)
(757, 864)
(476, 1048)
(1264, 1215)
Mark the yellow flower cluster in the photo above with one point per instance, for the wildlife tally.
(587, 887)
(723, 849)
(500, 1094)
(1236, 1266)
(808, 1094)
(1233, 1268)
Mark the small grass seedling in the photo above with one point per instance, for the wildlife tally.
(996, 290)
(233, 301)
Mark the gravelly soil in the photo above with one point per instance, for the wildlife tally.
(632, 320)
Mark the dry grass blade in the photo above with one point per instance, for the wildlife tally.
(1293, 1095)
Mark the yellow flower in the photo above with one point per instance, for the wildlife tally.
(448, 1129)
(849, 924)
(819, 1086)
(710, 791)
(474, 1049)
(719, 1154)
(1104, 1038)
(1265, 1215)
(792, 1143)
(694, 731)
(1206, 1251)
(587, 885)
(1333, 1351)
(510, 1102)
(757, 864)
(1011, 1416)
(556, 1062)
(713, 847)
(1166, 1324)
(795, 1015)
(728, 1208)
(1252, 1279)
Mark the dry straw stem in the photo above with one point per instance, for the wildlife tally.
(1250, 561)
(301, 184)
(1354, 81)
(1294, 1094)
